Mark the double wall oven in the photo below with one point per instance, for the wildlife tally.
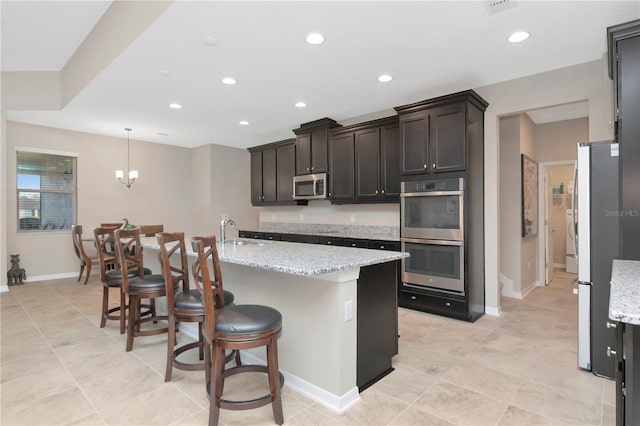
(432, 231)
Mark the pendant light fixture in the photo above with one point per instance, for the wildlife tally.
(132, 175)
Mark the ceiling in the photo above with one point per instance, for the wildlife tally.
(430, 48)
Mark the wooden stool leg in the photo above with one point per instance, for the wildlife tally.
(123, 311)
(133, 303)
(207, 365)
(81, 271)
(215, 388)
(274, 380)
(201, 340)
(171, 342)
(105, 305)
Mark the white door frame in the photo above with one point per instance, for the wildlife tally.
(543, 170)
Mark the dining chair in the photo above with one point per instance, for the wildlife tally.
(85, 260)
(139, 287)
(234, 327)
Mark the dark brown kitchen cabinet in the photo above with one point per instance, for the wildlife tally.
(285, 171)
(341, 158)
(371, 174)
(312, 141)
(263, 176)
(434, 134)
(272, 171)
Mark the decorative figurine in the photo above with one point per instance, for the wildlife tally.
(16, 274)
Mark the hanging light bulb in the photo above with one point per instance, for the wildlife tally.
(132, 175)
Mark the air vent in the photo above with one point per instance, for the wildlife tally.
(495, 6)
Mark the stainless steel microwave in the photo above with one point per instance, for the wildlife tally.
(310, 187)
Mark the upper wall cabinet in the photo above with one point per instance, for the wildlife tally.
(434, 133)
(272, 171)
(363, 162)
(312, 146)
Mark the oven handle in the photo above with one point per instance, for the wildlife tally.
(433, 242)
(431, 194)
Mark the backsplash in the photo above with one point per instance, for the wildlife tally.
(324, 213)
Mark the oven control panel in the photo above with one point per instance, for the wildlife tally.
(433, 185)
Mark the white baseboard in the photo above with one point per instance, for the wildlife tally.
(560, 265)
(528, 289)
(336, 403)
(51, 276)
(494, 312)
(507, 287)
(4, 288)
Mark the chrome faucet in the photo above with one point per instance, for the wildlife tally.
(223, 227)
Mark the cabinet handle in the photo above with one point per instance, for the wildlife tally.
(329, 194)
(383, 192)
(376, 192)
(413, 298)
(610, 351)
(611, 324)
(293, 196)
(311, 168)
(381, 247)
(434, 165)
(447, 304)
(353, 244)
(425, 166)
(308, 169)
(328, 242)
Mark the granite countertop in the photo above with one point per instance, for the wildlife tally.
(364, 232)
(624, 302)
(293, 258)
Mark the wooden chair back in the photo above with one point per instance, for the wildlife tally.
(210, 287)
(111, 225)
(126, 241)
(171, 245)
(105, 244)
(151, 230)
(76, 234)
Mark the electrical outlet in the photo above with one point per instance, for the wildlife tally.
(348, 310)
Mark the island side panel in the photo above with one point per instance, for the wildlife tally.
(317, 344)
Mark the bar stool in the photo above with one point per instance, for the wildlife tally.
(234, 327)
(85, 259)
(111, 277)
(185, 305)
(139, 287)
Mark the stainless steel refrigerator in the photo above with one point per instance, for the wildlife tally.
(597, 195)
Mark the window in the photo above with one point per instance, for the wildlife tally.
(46, 191)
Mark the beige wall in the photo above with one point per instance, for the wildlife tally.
(558, 141)
(510, 226)
(558, 211)
(162, 194)
(529, 245)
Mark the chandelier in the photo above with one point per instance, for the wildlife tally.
(132, 175)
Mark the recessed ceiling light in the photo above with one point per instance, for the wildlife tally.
(163, 134)
(315, 38)
(385, 78)
(209, 41)
(165, 73)
(244, 123)
(229, 80)
(518, 36)
(175, 106)
(301, 104)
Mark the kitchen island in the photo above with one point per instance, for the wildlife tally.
(338, 304)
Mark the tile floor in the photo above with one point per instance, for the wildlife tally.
(58, 367)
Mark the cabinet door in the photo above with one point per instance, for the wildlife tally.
(414, 139)
(269, 175)
(390, 162)
(341, 181)
(447, 142)
(285, 162)
(319, 145)
(256, 177)
(367, 164)
(303, 154)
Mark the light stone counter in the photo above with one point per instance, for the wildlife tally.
(317, 289)
(293, 258)
(624, 302)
